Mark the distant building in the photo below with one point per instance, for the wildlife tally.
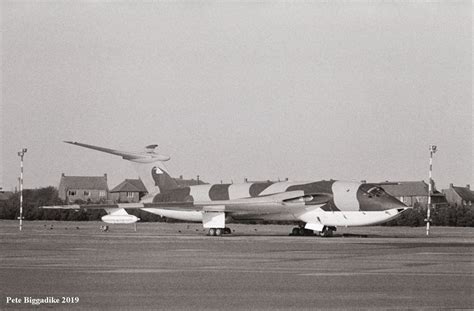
(128, 191)
(132, 190)
(85, 188)
(188, 182)
(246, 180)
(414, 192)
(459, 196)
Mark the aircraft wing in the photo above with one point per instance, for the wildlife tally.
(127, 155)
(267, 203)
(94, 206)
(270, 203)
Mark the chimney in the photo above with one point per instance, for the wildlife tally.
(105, 175)
(451, 186)
(181, 177)
(62, 175)
(468, 186)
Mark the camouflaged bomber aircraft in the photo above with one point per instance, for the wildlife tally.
(317, 206)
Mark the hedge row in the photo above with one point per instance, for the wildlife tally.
(462, 216)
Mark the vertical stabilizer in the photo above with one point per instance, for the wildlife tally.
(155, 177)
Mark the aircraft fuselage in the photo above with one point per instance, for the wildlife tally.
(350, 203)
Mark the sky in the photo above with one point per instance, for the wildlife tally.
(233, 90)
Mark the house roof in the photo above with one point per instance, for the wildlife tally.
(130, 185)
(407, 188)
(85, 182)
(188, 182)
(465, 193)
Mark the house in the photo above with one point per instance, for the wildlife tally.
(413, 192)
(459, 196)
(85, 188)
(132, 190)
(128, 191)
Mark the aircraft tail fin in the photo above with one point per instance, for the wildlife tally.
(155, 177)
(148, 164)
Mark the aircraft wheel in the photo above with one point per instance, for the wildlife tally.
(218, 232)
(295, 231)
(302, 231)
(327, 232)
(104, 228)
(227, 230)
(212, 232)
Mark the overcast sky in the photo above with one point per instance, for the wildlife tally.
(238, 89)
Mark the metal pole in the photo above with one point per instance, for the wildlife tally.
(21, 192)
(430, 190)
(21, 154)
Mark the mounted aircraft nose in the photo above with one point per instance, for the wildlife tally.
(373, 198)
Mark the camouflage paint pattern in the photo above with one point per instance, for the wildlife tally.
(347, 196)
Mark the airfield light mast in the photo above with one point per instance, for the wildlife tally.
(433, 149)
(21, 155)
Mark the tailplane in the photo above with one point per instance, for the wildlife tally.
(148, 163)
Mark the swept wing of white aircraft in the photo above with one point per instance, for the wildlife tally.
(318, 206)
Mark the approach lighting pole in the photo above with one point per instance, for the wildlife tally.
(433, 149)
(21, 154)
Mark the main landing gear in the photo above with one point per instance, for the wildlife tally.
(327, 232)
(215, 232)
(301, 231)
(218, 231)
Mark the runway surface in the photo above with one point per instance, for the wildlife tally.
(175, 266)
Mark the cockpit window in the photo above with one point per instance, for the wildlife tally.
(372, 190)
(375, 191)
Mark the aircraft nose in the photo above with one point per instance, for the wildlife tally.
(374, 198)
(391, 202)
